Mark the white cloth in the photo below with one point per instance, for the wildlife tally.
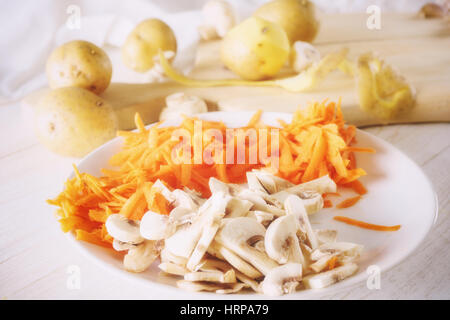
(30, 30)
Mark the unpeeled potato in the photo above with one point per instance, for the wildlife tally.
(72, 121)
(79, 64)
(255, 49)
(143, 43)
(297, 17)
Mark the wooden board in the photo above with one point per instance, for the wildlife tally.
(418, 48)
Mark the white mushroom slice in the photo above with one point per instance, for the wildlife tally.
(294, 206)
(248, 281)
(271, 183)
(212, 276)
(303, 55)
(123, 229)
(166, 256)
(184, 200)
(210, 264)
(321, 264)
(261, 216)
(254, 184)
(208, 234)
(326, 235)
(282, 279)
(327, 278)
(281, 240)
(259, 201)
(216, 185)
(237, 208)
(173, 268)
(180, 215)
(321, 185)
(139, 258)
(122, 246)
(313, 202)
(155, 226)
(184, 240)
(337, 248)
(235, 235)
(219, 251)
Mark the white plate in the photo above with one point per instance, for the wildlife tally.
(399, 193)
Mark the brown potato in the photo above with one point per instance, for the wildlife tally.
(72, 121)
(297, 17)
(143, 43)
(79, 64)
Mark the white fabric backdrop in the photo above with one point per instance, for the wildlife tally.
(30, 29)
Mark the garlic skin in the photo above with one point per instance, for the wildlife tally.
(303, 55)
(181, 103)
(218, 18)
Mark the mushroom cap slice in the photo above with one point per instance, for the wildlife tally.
(154, 226)
(261, 216)
(212, 276)
(347, 249)
(267, 182)
(139, 258)
(221, 252)
(281, 242)
(327, 278)
(282, 279)
(122, 246)
(123, 229)
(236, 233)
(237, 207)
(223, 288)
(294, 206)
(172, 268)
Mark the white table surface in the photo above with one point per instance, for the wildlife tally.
(35, 256)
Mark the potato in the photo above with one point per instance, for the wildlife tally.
(297, 17)
(79, 64)
(143, 43)
(255, 49)
(72, 121)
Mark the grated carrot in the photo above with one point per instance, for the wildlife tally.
(332, 263)
(366, 225)
(348, 202)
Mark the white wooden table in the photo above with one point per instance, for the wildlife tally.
(35, 256)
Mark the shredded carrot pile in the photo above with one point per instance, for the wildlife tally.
(332, 263)
(366, 225)
(315, 143)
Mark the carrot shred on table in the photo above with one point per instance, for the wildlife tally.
(327, 203)
(358, 187)
(366, 225)
(315, 143)
(348, 202)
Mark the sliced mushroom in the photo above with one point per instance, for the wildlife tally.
(183, 199)
(267, 182)
(122, 246)
(212, 276)
(221, 252)
(347, 249)
(216, 185)
(318, 186)
(123, 229)
(261, 216)
(155, 226)
(139, 258)
(248, 281)
(281, 240)
(173, 268)
(237, 208)
(235, 235)
(166, 256)
(327, 278)
(259, 201)
(282, 279)
(294, 206)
